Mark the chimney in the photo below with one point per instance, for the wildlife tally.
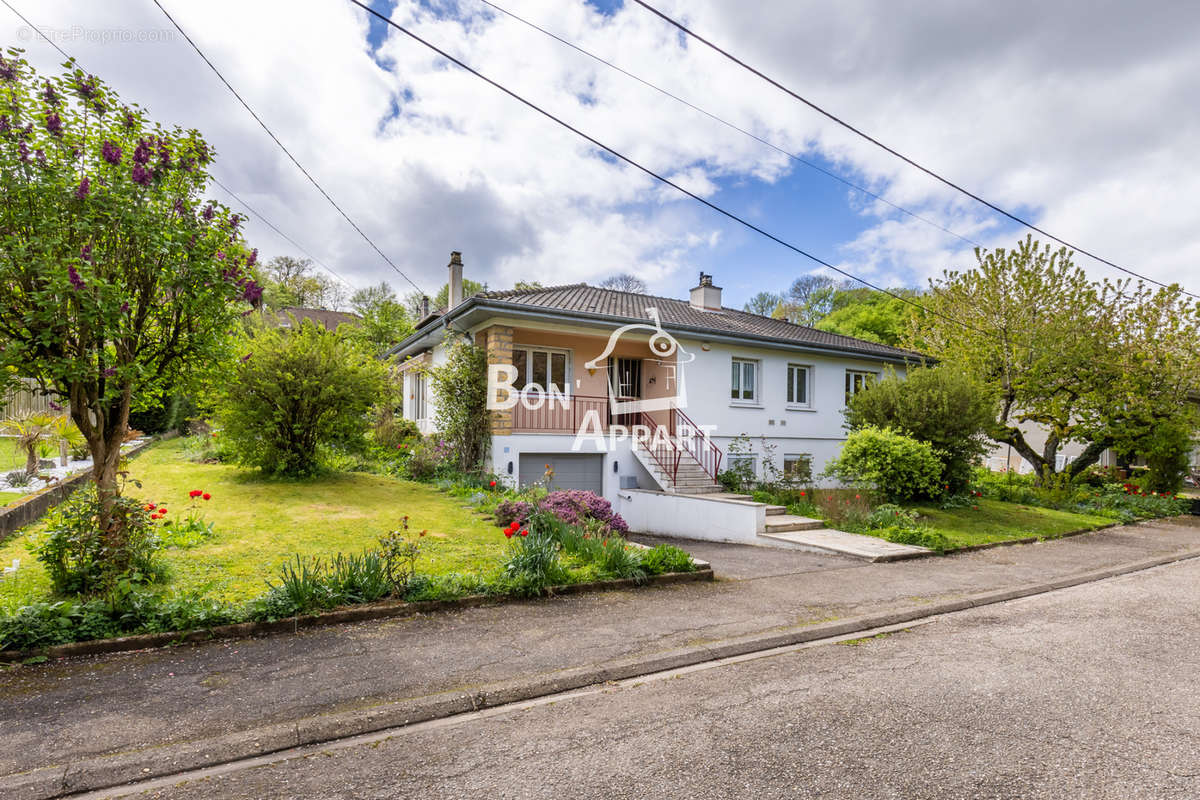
(456, 290)
(424, 306)
(706, 297)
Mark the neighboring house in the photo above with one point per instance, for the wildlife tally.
(324, 317)
(611, 366)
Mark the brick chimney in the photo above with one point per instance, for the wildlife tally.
(456, 286)
(706, 297)
(424, 306)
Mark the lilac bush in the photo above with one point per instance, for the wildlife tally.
(511, 511)
(574, 506)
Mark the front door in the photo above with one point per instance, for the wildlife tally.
(628, 386)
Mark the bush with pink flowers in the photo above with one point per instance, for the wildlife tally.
(576, 506)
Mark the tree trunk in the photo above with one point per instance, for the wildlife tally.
(31, 459)
(105, 430)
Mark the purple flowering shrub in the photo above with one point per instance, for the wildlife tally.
(575, 506)
(511, 511)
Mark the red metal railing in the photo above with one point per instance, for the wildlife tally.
(701, 448)
(555, 416)
(661, 449)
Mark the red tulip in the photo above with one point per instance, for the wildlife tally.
(162, 511)
(508, 533)
(207, 496)
(492, 484)
(195, 493)
(524, 533)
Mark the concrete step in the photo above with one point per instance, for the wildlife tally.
(781, 523)
(827, 540)
(773, 511)
(715, 489)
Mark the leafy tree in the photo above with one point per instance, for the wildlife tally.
(941, 405)
(1089, 362)
(527, 286)
(625, 282)
(763, 303)
(412, 301)
(870, 315)
(385, 320)
(460, 394)
(1166, 446)
(290, 281)
(295, 390)
(809, 299)
(116, 278)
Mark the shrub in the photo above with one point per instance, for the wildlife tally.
(667, 558)
(428, 457)
(513, 511)
(460, 392)
(18, 477)
(531, 564)
(939, 405)
(898, 466)
(295, 390)
(916, 536)
(76, 555)
(841, 509)
(574, 506)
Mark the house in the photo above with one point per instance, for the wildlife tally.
(325, 317)
(638, 398)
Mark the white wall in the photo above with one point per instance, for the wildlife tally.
(691, 516)
(817, 430)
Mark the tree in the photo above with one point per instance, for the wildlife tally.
(870, 315)
(295, 390)
(290, 281)
(625, 282)
(809, 299)
(412, 301)
(763, 303)
(116, 278)
(384, 322)
(1087, 361)
(527, 286)
(941, 405)
(460, 393)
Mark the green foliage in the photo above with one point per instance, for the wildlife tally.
(117, 279)
(870, 315)
(460, 392)
(897, 466)
(1098, 363)
(941, 405)
(667, 558)
(1166, 447)
(384, 319)
(531, 564)
(1123, 502)
(295, 282)
(81, 560)
(296, 390)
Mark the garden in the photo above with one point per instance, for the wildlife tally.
(909, 472)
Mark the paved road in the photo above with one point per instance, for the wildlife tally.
(1088, 692)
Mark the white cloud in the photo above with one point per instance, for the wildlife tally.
(1090, 128)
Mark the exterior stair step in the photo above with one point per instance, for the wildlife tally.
(782, 523)
(774, 511)
(855, 545)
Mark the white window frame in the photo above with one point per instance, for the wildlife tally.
(420, 396)
(866, 373)
(741, 400)
(751, 457)
(792, 385)
(797, 457)
(530, 349)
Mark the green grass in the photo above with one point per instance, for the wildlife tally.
(8, 497)
(996, 521)
(260, 523)
(10, 456)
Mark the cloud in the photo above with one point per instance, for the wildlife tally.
(1088, 128)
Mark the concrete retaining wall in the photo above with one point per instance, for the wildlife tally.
(689, 516)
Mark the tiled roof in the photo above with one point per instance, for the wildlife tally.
(581, 298)
(320, 316)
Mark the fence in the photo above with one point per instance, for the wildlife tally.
(25, 399)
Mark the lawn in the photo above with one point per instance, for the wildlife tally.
(10, 456)
(8, 497)
(997, 521)
(260, 523)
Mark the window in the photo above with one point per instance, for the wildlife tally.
(856, 381)
(743, 381)
(797, 468)
(797, 385)
(418, 396)
(742, 465)
(547, 368)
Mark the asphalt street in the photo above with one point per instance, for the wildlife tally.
(1088, 692)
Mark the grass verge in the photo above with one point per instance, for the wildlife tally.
(997, 521)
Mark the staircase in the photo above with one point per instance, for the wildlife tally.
(689, 476)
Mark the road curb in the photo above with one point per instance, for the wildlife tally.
(365, 612)
(104, 772)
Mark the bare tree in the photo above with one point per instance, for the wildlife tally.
(625, 282)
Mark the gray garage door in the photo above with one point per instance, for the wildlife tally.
(571, 470)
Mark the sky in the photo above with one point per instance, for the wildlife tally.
(1084, 116)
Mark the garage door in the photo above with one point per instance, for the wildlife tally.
(571, 470)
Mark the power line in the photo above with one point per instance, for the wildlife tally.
(286, 152)
(214, 179)
(894, 152)
(283, 235)
(727, 123)
(621, 156)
